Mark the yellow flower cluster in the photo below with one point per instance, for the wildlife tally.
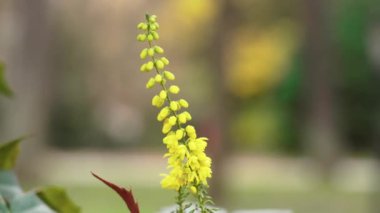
(189, 166)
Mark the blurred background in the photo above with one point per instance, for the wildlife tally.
(287, 91)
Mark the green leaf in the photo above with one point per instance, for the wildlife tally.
(57, 199)
(9, 186)
(3, 205)
(8, 154)
(29, 203)
(4, 88)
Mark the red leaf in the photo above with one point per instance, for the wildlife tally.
(126, 195)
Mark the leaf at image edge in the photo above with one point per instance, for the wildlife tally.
(4, 88)
(3, 205)
(57, 199)
(8, 154)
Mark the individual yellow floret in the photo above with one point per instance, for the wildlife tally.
(143, 53)
(151, 82)
(160, 65)
(174, 89)
(163, 113)
(174, 105)
(183, 103)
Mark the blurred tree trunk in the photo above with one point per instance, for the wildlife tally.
(27, 112)
(321, 131)
(220, 137)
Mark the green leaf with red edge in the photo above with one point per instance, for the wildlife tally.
(126, 195)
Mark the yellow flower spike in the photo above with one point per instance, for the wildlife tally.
(189, 167)
(165, 60)
(143, 53)
(157, 101)
(182, 118)
(169, 75)
(174, 105)
(174, 89)
(179, 134)
(160, 65)
(143, 68)
(163, 94)
(149, 66)
(172, 120)
(158, 49)
(150, 37)
(163, 114)
(150, 52)
(183, 103)
(158, 78)
(151, 82)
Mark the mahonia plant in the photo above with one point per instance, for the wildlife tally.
(189, 166)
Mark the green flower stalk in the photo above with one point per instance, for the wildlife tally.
(189, 167)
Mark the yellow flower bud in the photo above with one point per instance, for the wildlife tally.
(150, 51)
(182, 118)
(179, 134)
(141, 37)
(163, 114)
(174, 105)
(143, 68)
(152, 18)
(150, 37)
(158, 78)
(166, 127)
(193, 189)
(157, 25)
(190, 130)
(150, 83)
(143, 53)
(192, 146)
(149, 66)
(172, 120)
(174, 89)
(144, 26)
(169, 75)
(139, 26)
(157, 101)
(155, 35)
(188, 116)
(153, 27)
(165, 60)
(160, 65)
(163, 94)
(158, 49)
(183, 103)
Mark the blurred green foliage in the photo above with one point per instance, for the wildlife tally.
(4, 88)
